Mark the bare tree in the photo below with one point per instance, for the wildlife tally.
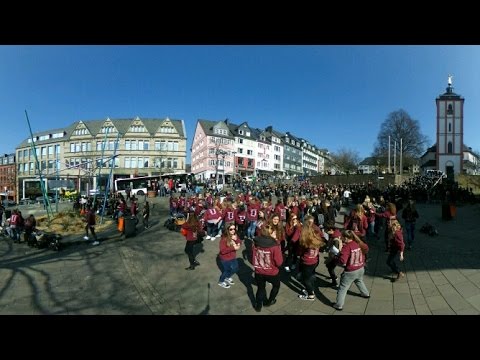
(346, 160)
(399, 125)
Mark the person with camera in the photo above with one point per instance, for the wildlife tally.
(293, 229)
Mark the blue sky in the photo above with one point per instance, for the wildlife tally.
(334, 96)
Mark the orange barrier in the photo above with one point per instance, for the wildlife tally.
(453, 210)
(121, 224)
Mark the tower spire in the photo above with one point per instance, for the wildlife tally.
(449, 82)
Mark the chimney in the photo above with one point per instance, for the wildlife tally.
(269, 128)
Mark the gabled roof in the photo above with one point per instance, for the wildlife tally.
(208, 125)
(122, 125)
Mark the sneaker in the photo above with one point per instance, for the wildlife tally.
(224, 285)
(196, 263)
(365, 296)
(287, 269)
(400, 275)
(218, 235)
(336, 307)
(207, 237)
(306, 297)
(305, 292)
(95, 243)
(230, 281)
(85, 238)
(191, 267)
(270, 303)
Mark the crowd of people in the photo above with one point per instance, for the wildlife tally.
(289, 235)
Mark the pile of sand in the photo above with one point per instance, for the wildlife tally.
(69, 223)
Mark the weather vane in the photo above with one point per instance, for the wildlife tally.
(450, 77)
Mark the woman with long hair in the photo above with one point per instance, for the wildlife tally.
(279, 230)
(352, 258)
(192, 230)
(229, 244)
(397, 246)
(310, 243)
(266, 260)
(293, 229)
(390, 215)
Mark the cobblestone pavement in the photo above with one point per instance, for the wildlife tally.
(146, 274)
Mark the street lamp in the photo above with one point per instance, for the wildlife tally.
(217, 153)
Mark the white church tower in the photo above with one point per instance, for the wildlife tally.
(450, 131)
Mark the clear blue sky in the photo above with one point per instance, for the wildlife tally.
(334, 96)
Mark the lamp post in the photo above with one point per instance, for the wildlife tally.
(217, 153)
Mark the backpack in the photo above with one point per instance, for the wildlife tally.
(170, 225)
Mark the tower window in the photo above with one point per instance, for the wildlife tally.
(449, 127)
(450, 109)
(450, 147)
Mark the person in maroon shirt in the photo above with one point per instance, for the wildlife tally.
(310, 243)
(397, 245)
(192, 230)
(229, 244)
(352, 258)
(390, 214)
(240, 220)
(293, 229)
(266, 259)
(279, 230)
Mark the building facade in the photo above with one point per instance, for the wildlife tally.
(7, 177)
(82, 155)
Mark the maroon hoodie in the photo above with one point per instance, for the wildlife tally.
(267, 256)
(351, 256)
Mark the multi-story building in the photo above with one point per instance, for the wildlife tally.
(82, 155)
(309, 158)
(277, 150)
(248, 151)
(7, 177)
(264, 153)
(213, 150)
(292, 155)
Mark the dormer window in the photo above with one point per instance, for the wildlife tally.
(221, 132)
(240, 132)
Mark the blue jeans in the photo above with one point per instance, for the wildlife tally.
(230, 267)
(212, 229)
(252, 225)
(346, 281)
(410, 229)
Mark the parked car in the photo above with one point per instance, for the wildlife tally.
(11, 203)
(39, 199)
